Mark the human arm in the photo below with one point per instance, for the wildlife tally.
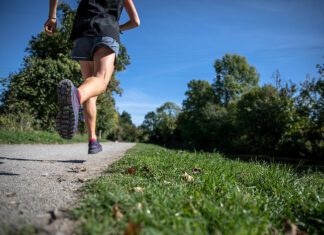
(50, 25)
(134, 20)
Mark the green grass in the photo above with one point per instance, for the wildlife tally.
(37, 137)
(227, 197)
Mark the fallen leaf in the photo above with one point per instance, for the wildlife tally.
(291, 229)
(77, 169)
(137, 189)
(11, 194)
(187, 177)
(196, 170)
(139, 206)
(12, 202)
(130, 171)
(117, 213)
(133, 229)
(166, 182)
(82, 180)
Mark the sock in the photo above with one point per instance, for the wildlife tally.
(79, 95)
(93, 139)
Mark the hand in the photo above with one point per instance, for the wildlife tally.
(50, 26)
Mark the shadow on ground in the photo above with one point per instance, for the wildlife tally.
(36, 160)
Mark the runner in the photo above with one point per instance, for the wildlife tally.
(96, 39)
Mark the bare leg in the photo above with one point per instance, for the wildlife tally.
(96, 74)
(89, 106)
(95, 85)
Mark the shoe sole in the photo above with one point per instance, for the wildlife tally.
(65, 119)
(94, 151)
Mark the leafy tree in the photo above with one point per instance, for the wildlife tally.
(199, 93)
(307, 136)
(311, 98)
(126, 118)
(264, 117)
(194, 122)
(233, 77)
(126, 130)
(159, 127)
(33, 88)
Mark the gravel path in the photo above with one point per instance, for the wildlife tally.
(36, 179)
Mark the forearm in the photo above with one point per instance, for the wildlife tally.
(52, 8)
(134, 20)
(129, 25)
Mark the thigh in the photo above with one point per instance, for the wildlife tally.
(103, 60)
(87, 69)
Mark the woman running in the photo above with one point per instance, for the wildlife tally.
(96, 39)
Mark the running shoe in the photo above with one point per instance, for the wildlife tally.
(69, 108)
(94, 147)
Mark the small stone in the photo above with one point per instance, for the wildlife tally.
(11, 194)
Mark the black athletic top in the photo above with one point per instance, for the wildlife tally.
(97, 18)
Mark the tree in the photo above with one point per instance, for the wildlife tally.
(307, 139)
(33, 88)
(264, 117)
(233, 77)
(159, 127)
(126, 130)
(199, 93)
(191, 126)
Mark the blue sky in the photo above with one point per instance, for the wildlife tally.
(179, 41)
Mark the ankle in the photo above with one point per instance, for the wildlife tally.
(94, 139)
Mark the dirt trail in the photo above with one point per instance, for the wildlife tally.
(36, 179)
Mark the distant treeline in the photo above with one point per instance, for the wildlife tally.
(234, 115)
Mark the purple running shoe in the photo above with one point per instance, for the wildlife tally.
(94, 147)
(69, 107)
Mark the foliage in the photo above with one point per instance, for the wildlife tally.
(233, 77)
(107, 116)
(226, 196)
(264, 117)
(19, 121)
(125, 130)
(203, 124)
(236, 116)
(159, 126)
(199, 93)
(33, 88)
